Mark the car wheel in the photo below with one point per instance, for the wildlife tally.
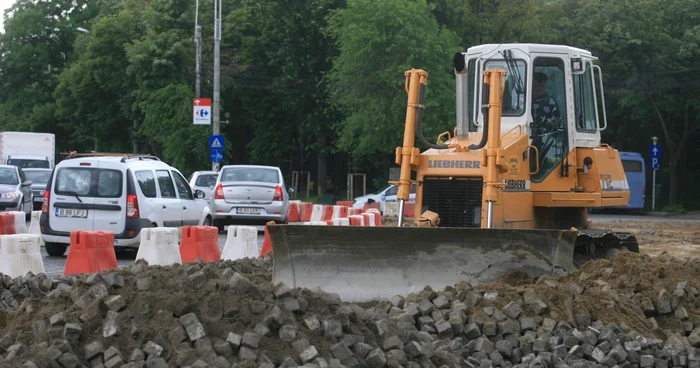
(207, 221)
(55, 249)
(220, 225)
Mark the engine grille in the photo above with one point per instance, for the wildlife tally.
(456, 199)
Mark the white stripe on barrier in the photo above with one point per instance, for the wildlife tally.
(20, 221)
(317, 213)
(20, 254)
(34, 225)
(341, 222)
(316, 223)
(159, 246)
(370, 218)
(241, 242)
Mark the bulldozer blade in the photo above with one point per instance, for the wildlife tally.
(370, 263)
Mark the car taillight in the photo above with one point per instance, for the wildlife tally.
(132, 206)
(278, 194)
(45, 204)
(219, 192)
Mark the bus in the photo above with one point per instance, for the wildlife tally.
(635, 171)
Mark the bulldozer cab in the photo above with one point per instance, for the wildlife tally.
(552, 92)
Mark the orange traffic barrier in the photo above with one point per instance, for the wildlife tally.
(355, 211)
(327, 214)
(7, 223)
(344, 203)
(199, 242)
(267, 243)
(356, 220)
(305, 210)
(409, 209)
(293, 212)
(90, 252)
(340, 212)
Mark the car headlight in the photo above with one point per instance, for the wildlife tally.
(10, 195)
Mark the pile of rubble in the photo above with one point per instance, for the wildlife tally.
(633, 311)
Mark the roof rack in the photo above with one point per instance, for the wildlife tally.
(124, 156)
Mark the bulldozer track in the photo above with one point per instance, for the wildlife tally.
(595, 244)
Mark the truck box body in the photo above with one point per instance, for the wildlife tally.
(25, 149)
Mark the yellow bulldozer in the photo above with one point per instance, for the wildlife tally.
(508, 190)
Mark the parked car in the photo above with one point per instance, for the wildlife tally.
(39, 179)
(121, 194)
(15, 190)
(387, 194)
(204, 181)
(249, 194)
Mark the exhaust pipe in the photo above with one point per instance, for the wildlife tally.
(460, 69)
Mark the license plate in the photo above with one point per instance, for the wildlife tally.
(38, 199)
(248, 211)
(70, 212)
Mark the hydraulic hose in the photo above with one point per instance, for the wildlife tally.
(485, 112)
(419, 118)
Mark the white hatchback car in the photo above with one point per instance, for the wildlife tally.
(387, 194)
(121, 194)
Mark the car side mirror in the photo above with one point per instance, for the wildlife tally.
(290, 190)
(27, 183)
(199, 194)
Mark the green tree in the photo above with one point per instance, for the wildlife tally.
(285, 53)
(378, 42)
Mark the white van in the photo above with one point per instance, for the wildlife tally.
(121, 194)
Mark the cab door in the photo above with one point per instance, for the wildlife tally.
(550, 118)
(587, 127)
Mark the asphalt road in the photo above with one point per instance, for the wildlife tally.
(54, 265)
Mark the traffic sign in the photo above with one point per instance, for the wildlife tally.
(201, 111)
(655, 155)
(216, 142)
(216, 155)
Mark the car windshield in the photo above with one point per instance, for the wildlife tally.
(206, 180)
(256, 174)
(27, 163)
(382, 190)
(39, 177)
(8, 176)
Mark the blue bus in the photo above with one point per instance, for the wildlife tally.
(635, 171)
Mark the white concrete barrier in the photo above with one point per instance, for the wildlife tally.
(159, 246)
(19, 254)
(241, 242)
(317, 213)
(391, 209)
(341, 222)
(20, 222)
(34, 227)
(316, 223)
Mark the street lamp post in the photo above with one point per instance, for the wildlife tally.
(217, 98)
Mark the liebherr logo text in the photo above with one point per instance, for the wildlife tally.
(453, 164)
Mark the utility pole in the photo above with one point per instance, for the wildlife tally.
(198, 56)
(217, 98)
